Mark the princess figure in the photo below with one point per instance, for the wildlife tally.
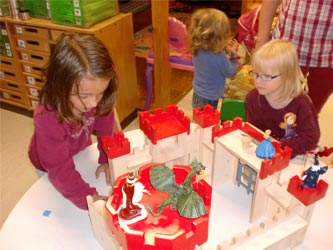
(266, 149)
(289, 124)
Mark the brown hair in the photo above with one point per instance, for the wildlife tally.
(74, 57)
(209, 30)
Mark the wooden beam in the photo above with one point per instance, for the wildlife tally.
(160, 16)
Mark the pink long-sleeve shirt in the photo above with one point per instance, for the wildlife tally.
(54, 144)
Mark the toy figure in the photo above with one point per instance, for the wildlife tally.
(265, 148)
(131, 211)
(311, 175)
(289, 125)
(181, 197)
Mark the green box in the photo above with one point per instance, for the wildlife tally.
(82, 13)
(4, 8)
(38, 8)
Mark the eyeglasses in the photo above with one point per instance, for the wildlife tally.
(263, 77)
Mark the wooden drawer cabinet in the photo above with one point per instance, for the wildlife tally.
(34, 31)
(10, 85)
(31, 42)
(7, 63)
(13, 75)
(13, 97)
(35, 80)
(11, 80)
(33, 56)
(31, 68)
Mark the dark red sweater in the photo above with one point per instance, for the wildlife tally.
(53, 146)
(263, 116)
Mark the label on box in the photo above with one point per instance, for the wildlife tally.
(31, 80)
(77, 12)
(4, 32)
(33, 92)
(76, 3)
(6, 95)
(18, 30)
(9, 52)
(25, 56)
(34, 103)
(27, 68)
(78, 21)
(21, 43)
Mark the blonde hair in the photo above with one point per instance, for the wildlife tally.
(209, 30)
(281, 57)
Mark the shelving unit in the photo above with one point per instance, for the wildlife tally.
(30, 42)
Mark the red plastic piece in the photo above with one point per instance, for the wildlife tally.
(227, 127)
(160, 125)
(279, 161)
(326, 152)
(268, 167)
(116, 146)
(168, 231)
(206, 117)
(307, 195)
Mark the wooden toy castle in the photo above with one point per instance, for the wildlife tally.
(280, 211)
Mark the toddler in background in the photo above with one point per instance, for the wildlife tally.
(78, 98)
(279, 101)
(213, 53)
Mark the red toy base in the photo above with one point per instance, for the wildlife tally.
(168, 231)
(306, 195)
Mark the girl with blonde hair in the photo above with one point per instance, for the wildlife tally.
(214, 55)
(280, 89)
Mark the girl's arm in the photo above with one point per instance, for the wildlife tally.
(104, 126)
(232, 49)
(266, 15)
(55, 155)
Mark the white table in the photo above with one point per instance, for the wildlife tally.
(29, 226)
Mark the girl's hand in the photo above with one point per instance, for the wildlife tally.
(104, 168)
(233, 54)
(234, 45)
